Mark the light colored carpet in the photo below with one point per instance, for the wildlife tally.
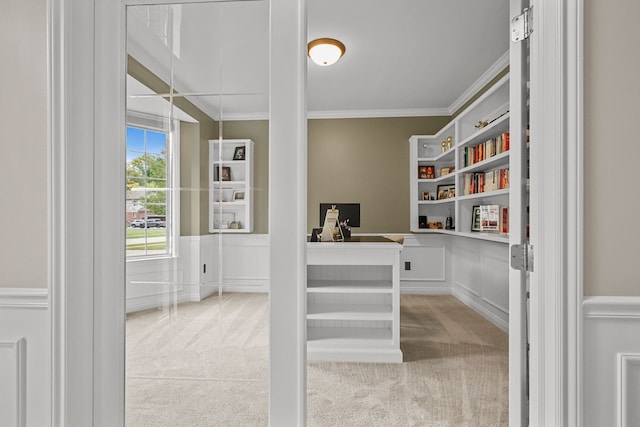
(206, 364)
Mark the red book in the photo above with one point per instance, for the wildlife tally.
(505, 136)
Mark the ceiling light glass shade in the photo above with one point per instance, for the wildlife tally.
(326, 51)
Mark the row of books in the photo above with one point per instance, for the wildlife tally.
(480, 182)
(485, 150)
(491, 218)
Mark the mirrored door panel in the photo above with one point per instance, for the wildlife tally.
(197, 214)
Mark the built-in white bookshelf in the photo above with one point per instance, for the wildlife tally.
(464, 165)
(231, 186)
(353, 297)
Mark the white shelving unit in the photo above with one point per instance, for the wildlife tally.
(428, 150)
(353, 300)
(231, 186)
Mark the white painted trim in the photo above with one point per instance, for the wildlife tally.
(504, 326)
(612, 307)
(24, 298)
(20, 386)
(624, 403)
(490, 74)
(364, 114)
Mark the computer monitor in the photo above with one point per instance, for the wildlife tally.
(350, 211)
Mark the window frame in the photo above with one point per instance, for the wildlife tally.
(157, 123)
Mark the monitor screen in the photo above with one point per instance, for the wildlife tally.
(350, 211)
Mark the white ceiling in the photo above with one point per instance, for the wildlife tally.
(404, 57)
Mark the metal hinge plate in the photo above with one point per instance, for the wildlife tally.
(522, 257)
(521, 26)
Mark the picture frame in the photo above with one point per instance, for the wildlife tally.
(224, 173)
(238, 195)
(475, 219)
(426, 172)
(426, 195)
(446, 191)
(239, 153)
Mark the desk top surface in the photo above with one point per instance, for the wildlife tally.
(358, 239)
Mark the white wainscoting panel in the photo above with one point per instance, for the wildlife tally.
(429, 263)
(240, 261)
(13, 387)
(628, 389)
(25, 358)
(481, 278)
(611, 361)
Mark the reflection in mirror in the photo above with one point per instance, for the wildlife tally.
(197, 279)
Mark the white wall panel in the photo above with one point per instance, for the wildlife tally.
(25, 358)
(481, 278)
(13, 360)
(611, 361)
(430, 265)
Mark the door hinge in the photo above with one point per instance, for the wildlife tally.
(522, 257)
(522, 26)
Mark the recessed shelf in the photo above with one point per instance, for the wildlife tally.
(352, 337)
(349, 312)
(350, 286)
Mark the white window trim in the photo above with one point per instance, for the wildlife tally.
(157, 123)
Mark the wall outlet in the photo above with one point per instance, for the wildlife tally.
(407, 265)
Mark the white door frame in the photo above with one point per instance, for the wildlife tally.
(86, 61)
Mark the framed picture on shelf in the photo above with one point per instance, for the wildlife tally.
(445, 171)
(224, 173)
(238, 153)
(446, 191)
(475, 219)
(426, 195)
(426, 172)
(238, 195)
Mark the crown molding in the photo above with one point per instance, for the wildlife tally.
(490, 74)
(364, 114)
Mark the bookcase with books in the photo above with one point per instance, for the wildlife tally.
(460, 177)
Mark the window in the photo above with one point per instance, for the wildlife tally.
(149, 198)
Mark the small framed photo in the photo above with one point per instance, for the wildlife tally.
(238, 153)
(426, 172)
(446, 191)
(475, 219)
(238, 195)
(426, 195)
(224, 173)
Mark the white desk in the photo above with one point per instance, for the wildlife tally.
(353, 300)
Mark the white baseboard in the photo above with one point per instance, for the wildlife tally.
(480, 309)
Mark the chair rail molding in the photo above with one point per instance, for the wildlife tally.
(37, 298)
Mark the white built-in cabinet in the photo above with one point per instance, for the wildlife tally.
(353, 300)
(454, 148)
(231, 186)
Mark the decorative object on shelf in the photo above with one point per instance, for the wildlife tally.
(444, 146)
(428, 151)
(224, 173)
(449, 142)
(445, 171)
(235, 225)
(422, 221)
(316, 235)
(489, 217)
(425, 195)
(449, 223)
(426, 172)
(223, 219)
(475, 219)
(437, 225)
(446, 191)
(238, 195)
(238, 153)
(482, 123)
(326, 51)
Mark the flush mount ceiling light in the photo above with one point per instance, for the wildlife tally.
(326, 51)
